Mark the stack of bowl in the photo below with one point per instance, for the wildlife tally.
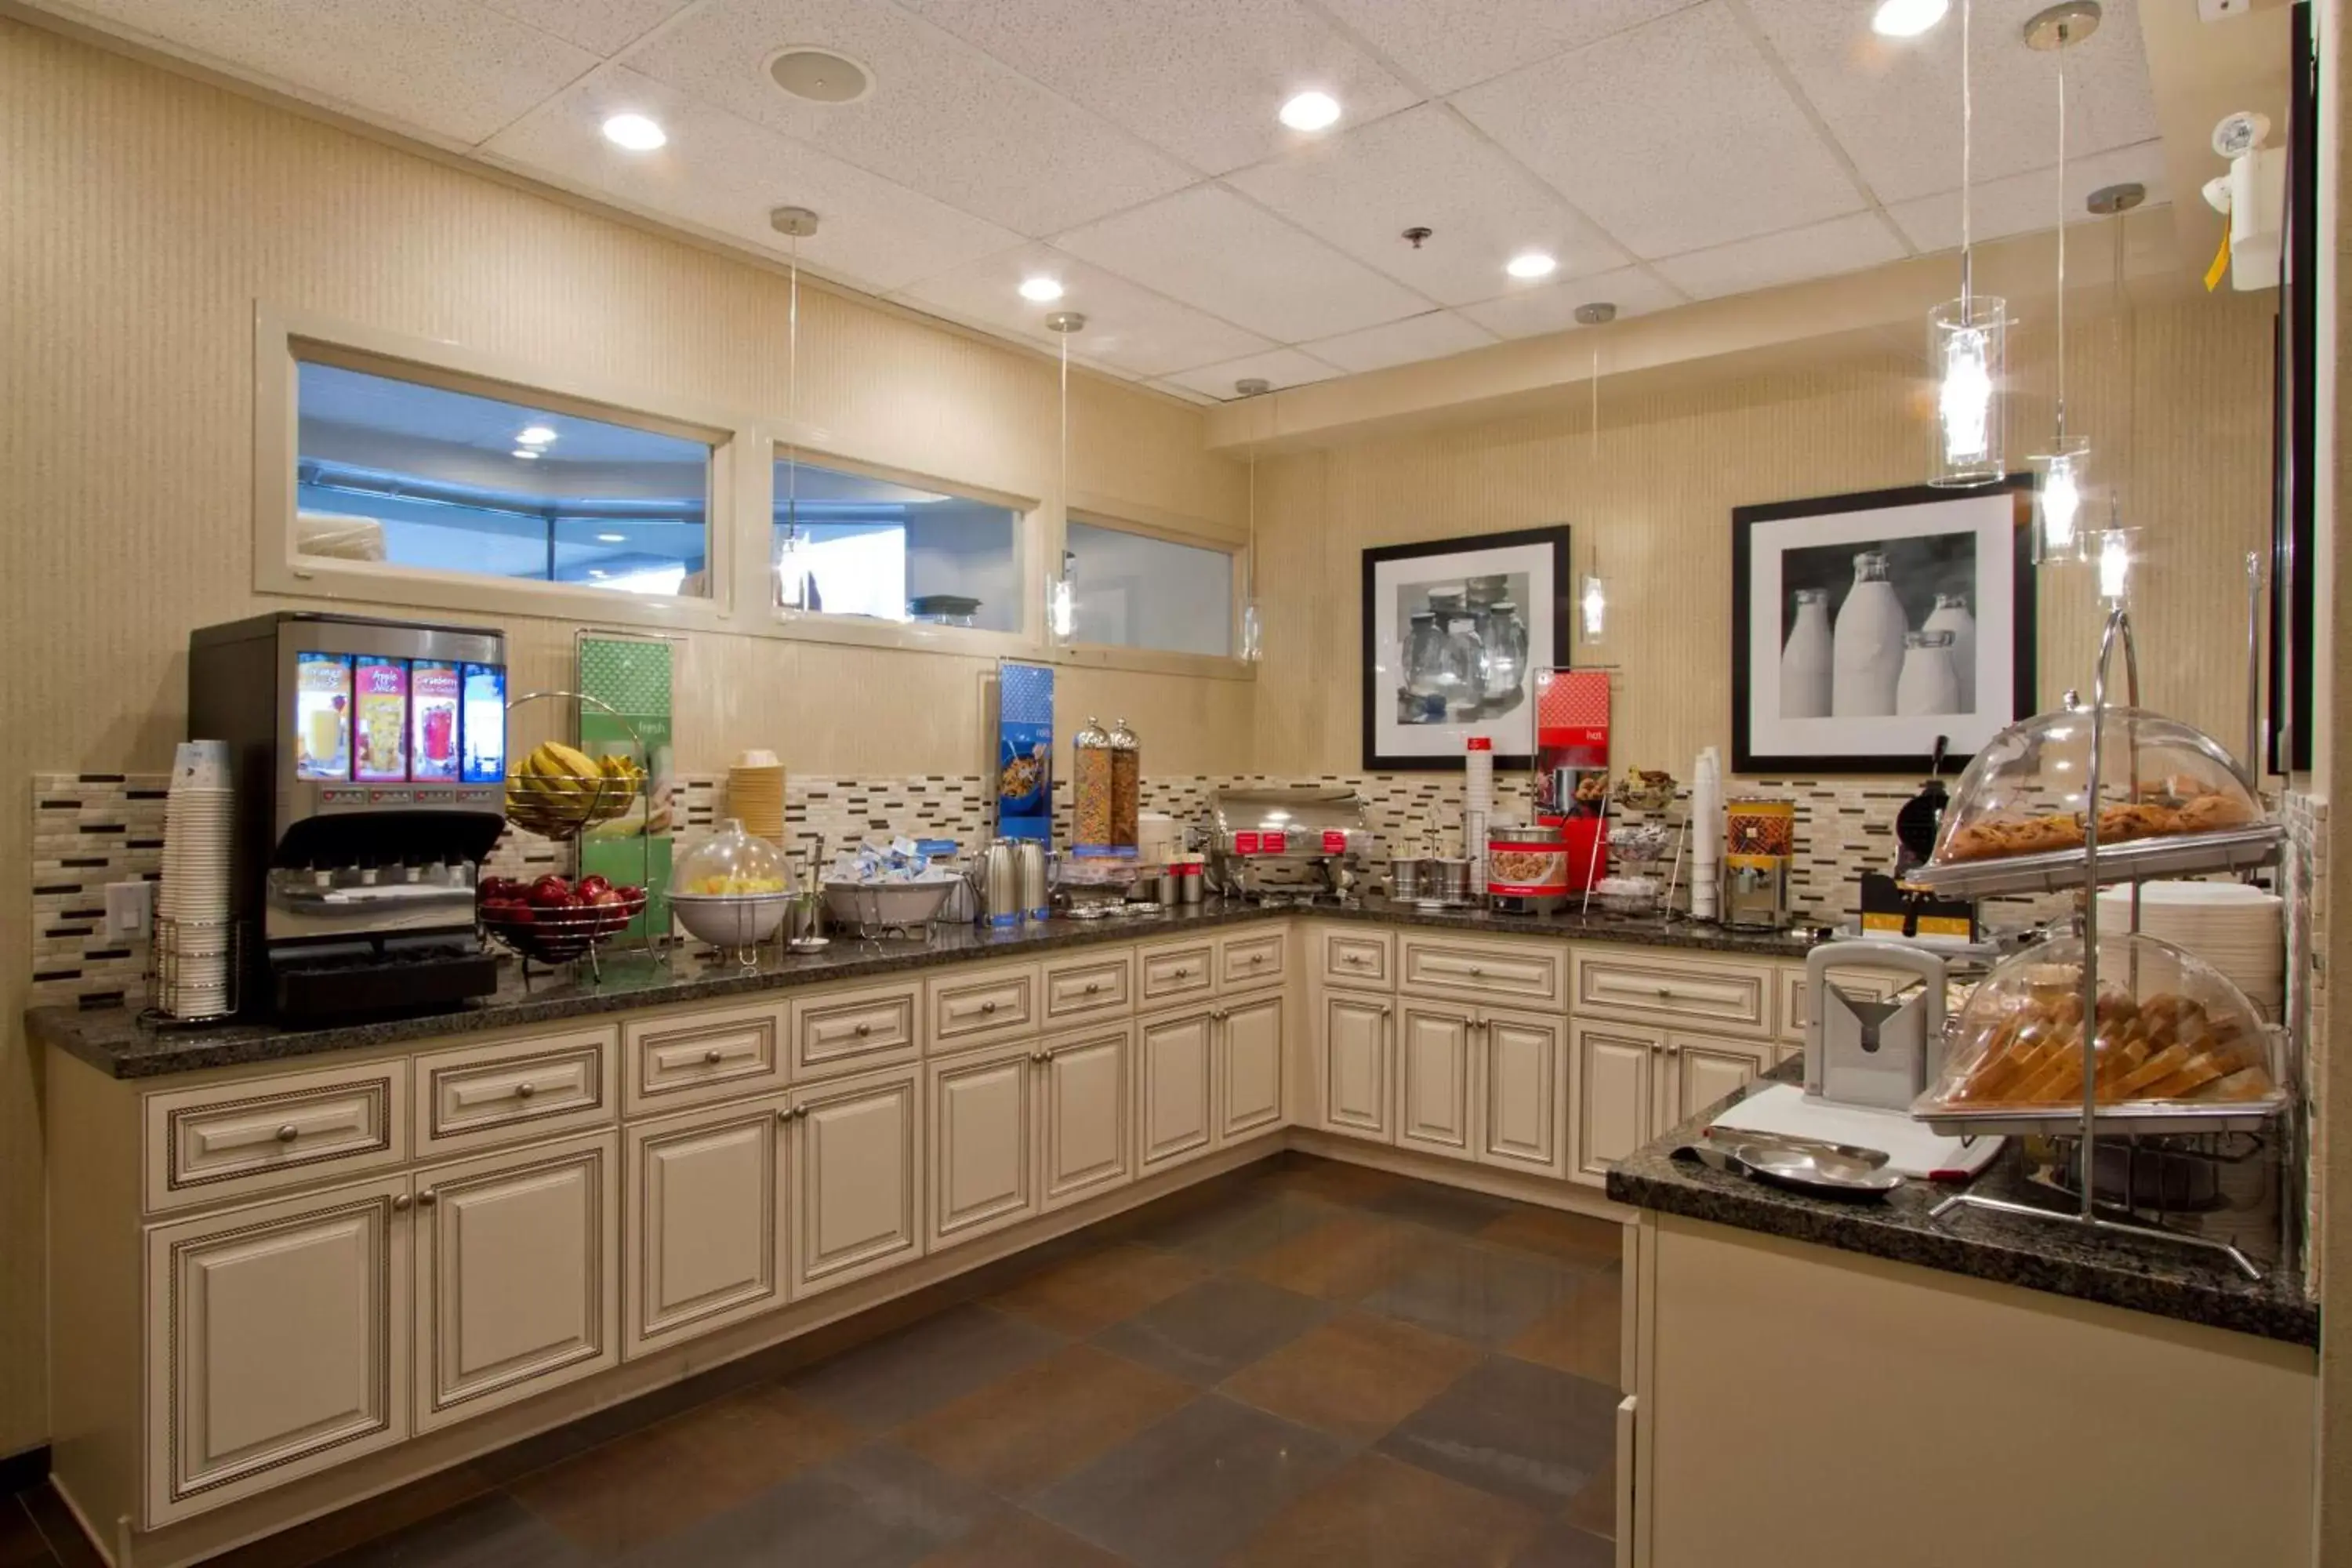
(755, 796)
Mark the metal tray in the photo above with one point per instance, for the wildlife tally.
(2135, 859)
(2122, 1120)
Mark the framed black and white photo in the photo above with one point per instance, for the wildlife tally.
(1862, 626)
(1454, 630)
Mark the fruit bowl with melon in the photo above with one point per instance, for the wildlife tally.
(554, 920)
(560, 792)
(731, 889)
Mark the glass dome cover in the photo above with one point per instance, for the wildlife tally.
(731, 863)
(2025, 794)
(2171, 1031)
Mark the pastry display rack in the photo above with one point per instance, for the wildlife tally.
(2233, 845)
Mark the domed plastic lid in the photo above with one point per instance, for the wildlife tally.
(730, 862)
(2026, 792)
(2171, 1030)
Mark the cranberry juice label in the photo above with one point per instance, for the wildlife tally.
(380, 726)
(433, 722)
(323, 716)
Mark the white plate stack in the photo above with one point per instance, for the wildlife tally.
(194, 949)
(2238, 929)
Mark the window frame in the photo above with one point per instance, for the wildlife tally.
(285, 340)
(1120, 516)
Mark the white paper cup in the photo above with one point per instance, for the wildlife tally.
(202, 763)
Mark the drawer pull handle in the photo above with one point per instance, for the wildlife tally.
(1258, 958)
(287, 1134)
(864, 1030)
(1182, 973)
(714, 1056)
(427, 1198)
(1477, 969)
(1352, 958)
(1388, 1012)
(399, 1203)
(986, 1008)
(784, 1113)
(1093, 986)
(525, 1089)
(1673, 1050)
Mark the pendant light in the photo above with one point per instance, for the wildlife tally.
(2060, 502)
(792, 584)
(1966, 341)
(1250, 644)
(2114, 547)
(1592, 589)
(1061, 592)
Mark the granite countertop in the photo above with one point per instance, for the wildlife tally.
(2191, 1284)
(117, 1042)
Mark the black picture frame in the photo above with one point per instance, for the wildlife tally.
(1558, 594)
(2295, 475)
(2024, 695)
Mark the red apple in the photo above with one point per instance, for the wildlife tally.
(551, 893)
(495, 890)
(589, 886)
(613, 910)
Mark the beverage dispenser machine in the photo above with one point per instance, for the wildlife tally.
(369, 761)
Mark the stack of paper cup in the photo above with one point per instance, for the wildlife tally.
(755, 796)
(1706, 832)
(1477, 803)
(193, 951)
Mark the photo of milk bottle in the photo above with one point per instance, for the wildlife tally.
(1951, 615)
(1866, 647)
(1805, 658)
(1928, 684)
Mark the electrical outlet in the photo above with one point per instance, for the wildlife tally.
(130, 908)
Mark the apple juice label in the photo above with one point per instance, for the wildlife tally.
(380, 730)
(433, 722)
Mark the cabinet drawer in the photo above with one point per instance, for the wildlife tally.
(975, 1009)
(1256, 959)
(1464, 969)
(1356, 958)
(1090, 987)
(688, 1059)
(268, 1132)
(1735, 996)
(515, 1089)
(1176, 969)
(872, 1028)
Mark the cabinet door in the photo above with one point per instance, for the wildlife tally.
(857, 1173)
(1613, 1097)
(983, 1173)
(1249, 1068)
(1175, 1086)
(1352, 1064)
(1519, 1101)
(1702, 1070)
(517, 1275)
(274, 1344)
(703, 1222)
(1086, 1114)
(1433, 1087)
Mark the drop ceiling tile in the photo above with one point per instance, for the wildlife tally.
(1819, 250)
(725, 174)
(1279, 367)
(942, 118)
(2027, 204)
(1199, 78)
(603, 26)
(1128, 326)
(1895, 104)
(446, 67)
(1214, 250)
(1672, 137)
(1551, 307)
(1433, 336)
(1446, 44)
(1361, 191)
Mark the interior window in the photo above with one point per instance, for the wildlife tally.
(849, 544)
(419, 476)
(1135, 590)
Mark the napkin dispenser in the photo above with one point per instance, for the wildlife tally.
(1863, 1051)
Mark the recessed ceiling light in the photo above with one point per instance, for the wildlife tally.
(528, 454)
(1041, 290)
(534, 435)
(634, 132)
(1311, 111)
(820, 75)
(612, 539)
(1908, 18)
(1531, 264)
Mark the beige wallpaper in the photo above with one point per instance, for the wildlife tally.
(1657, 505)
(146, 213)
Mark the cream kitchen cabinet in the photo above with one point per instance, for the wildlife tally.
(1634, 1082)
(1353, 1045)
(518, 1276)
(1175, 1074)
(858, 1177)
(277, 1343)
(1249, 1066)
(1433, 1089)
(1085, 1114)
(704, 1213)
(1480, 1083)
(1027, 1129)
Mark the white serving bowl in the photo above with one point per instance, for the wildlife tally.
(887, 906)
(730, 920)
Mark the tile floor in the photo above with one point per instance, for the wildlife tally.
(1300, 1363)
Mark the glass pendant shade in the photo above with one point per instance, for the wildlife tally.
(1592, 610)
(2058, 504)
(1967, 340)
(2115, 558)
(1061, 602)
(1251, 646)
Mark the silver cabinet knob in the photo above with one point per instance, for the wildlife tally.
(1183, 975)
(714, 1056)
(1037, 1055)
(399, 1203)
(1256, 958)
(1093, 986)
(525, 1089)
(1356, 958)
(1388, 1012)
(1673, 1050)
(863, 1030)
(427, 1198)
(783, 1114)
(801, 1112)
(287, 1134)
(1477, 969)
(986, 1008)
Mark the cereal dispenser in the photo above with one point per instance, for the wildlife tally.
(1760, 841)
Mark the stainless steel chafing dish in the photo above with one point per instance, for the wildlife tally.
(1254, 835)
